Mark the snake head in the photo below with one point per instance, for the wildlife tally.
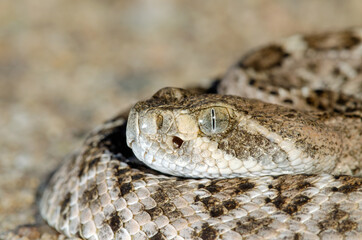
(189, 134)
(171, 131)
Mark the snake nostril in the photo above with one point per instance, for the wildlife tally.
(177, 142)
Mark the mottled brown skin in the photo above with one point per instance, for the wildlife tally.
(289, 199)
(322, 74)
(278, 66)
(333, 112)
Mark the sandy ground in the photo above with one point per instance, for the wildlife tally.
(65, 66)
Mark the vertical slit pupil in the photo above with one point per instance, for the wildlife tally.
(213, 119)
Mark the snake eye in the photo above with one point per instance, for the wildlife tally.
(213, 120)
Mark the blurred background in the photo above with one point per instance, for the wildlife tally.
(66, 66)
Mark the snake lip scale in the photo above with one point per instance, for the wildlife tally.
(272, 152)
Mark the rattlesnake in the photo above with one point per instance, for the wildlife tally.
(312, 129)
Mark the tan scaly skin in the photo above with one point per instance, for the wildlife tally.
(286, 161)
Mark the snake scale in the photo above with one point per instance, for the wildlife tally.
(271, 151)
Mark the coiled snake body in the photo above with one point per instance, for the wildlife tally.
(245, 169)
